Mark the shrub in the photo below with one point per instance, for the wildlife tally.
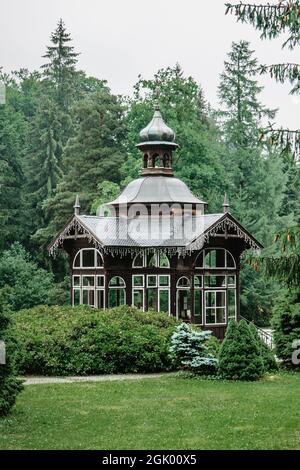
(190, 352)
(82, 340)
(267, 354)
(240, 357)
(286, 326)
(23, 284)
(10, 386)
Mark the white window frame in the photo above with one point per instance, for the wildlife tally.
(167, 289)
(144, 256)
(221, 267)
(201, 290)
(79, 253)
(117, 287)
(233, 289)
(139, 289)
(215, 291)
(132, 281)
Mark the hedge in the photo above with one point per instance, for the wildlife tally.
(81, 340)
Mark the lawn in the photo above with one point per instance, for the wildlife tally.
(160, 413)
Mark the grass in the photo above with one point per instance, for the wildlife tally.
(161, 413)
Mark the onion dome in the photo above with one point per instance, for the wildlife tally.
(157, 132)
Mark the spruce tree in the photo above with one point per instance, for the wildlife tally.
(266, 352)
(10, 386)
(93, 156)
(240, 357)
(60, 70)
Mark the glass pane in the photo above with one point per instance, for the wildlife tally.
(220, 315)
(138, 299)
(77, 260)
(183, 282)
(220, 296)
(199, 261)
(88, 258)
(151, 281)
(138, 280)
(100, 298)
(138, 261)
(230, 260)
(151, 261)
(163, 280)
(163, 261)
(163, 300)
(88, 281)
(76, 280)
(100, 281)
(210, 299)
(214, 258)
(214, 281)
(152, 299)
(117, 281)
(183, 303)
(231, 281)
(210, 316)
(198, 306)
(98, 260)
(76, 297)
(116, 297)
(231, 304)
(88, 297)
(198, 281)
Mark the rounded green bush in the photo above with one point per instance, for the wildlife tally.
(81, 340)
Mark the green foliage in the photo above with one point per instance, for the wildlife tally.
(266, 352)
(82, 340)
(107, 191)
(240, 356)
(286, 325)
(23, 284)
(190, 351)
(10, 386)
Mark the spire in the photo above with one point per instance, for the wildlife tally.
(225, 204)
(77, 206)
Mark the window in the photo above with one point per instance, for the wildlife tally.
(215, 307)
(89, 290)
(88, 258)
(215, 258)
(198, 300)
(157, 293)
(183, 299)
(116, 292)
(154, 260)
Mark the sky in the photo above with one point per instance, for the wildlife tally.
(120, 39)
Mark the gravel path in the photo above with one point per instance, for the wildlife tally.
(91, 378)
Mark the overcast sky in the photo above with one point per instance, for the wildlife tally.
(119, 39)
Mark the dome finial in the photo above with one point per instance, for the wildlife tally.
(225, 204)
(157, 132)
(77, 206)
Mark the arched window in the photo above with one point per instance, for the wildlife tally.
(183, 298)
(215, 258)
(116, 292)
(88, 258)
(145, 160)
(153, 260)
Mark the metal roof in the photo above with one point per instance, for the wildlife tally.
(148, 231)
(156, 190)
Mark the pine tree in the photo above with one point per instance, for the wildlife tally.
(12, 139)
(10, 386)
(60, 68)
(256, 172)
(266, 352)
(240, 357)
(94, 155)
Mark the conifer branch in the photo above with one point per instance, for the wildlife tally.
(283, 72)
(271, 19)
